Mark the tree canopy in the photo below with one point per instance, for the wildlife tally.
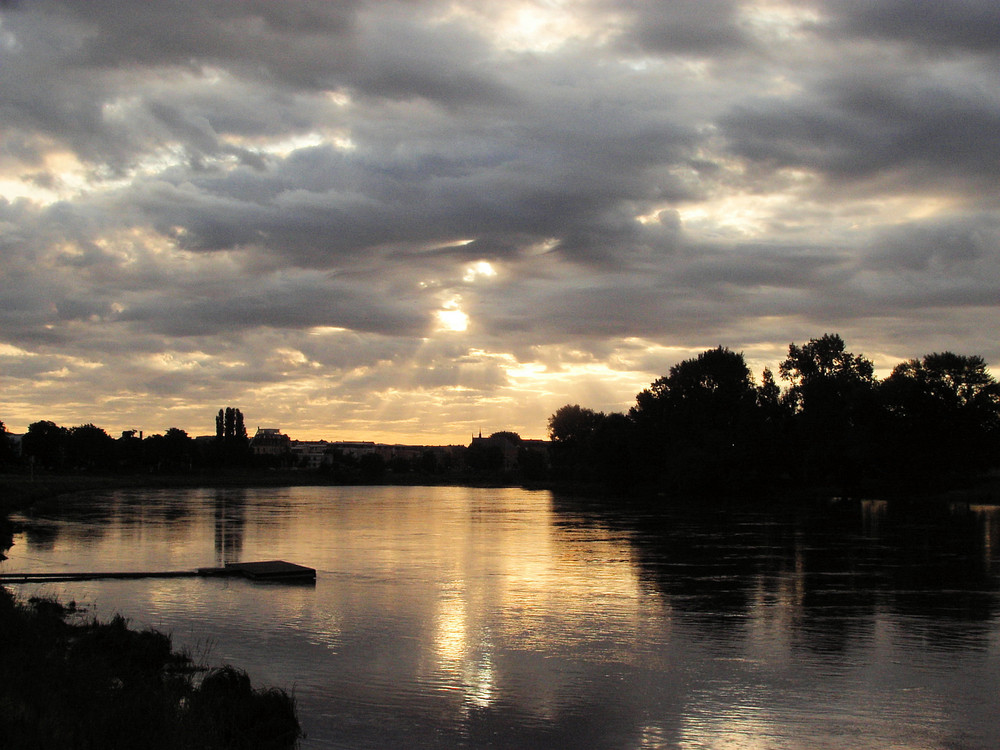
(706, 425)
(942, 416)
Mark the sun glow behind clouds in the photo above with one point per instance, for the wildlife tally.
(481, 269)
(537, 27)
(451, 317)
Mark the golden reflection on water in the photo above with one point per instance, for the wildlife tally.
(463, 603)
(464, 657)
(528, 585)
(472, 572)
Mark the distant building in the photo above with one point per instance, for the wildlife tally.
(270, 442)
(354, 448)
(309, 454)
(510, 446)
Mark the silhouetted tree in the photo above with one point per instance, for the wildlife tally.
(531, 464)
(46, 443)
(590, 446)
(572, 423)
(942, 419)
(90, 448)
(7, 456)
(707, 426)
(172, 451)
(699, 424)
(769, 394)
(231, 436)
(832, 395)
(614, 450)
(129, 451)
(572, 430)
(823, 370)
(484, 458)
(230, 425)
(774, 425)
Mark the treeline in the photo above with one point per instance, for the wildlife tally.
(87, 448)
(708, 426)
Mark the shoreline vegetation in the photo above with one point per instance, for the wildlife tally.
(70, 682)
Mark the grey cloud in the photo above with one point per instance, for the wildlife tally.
(960, 245)
(962, 24)
(857, 128)
(749, 267)
(300, 43)
(443, 63)
(694, 27)
(949, 264)
(320, 206)
(481, 376)
(570, 174)
(292, 304)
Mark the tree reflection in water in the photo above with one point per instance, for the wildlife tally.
(826, 571)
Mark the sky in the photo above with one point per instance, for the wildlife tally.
(411, 220)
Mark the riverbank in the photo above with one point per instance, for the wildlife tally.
(68, 682)
(20, 491)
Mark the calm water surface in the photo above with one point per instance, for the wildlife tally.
(503, 618)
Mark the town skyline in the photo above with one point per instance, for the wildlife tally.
(406, 221)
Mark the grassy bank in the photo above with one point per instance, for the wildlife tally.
(71, 683)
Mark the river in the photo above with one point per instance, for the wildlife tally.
(448, 617)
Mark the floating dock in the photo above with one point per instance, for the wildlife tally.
(268, 570)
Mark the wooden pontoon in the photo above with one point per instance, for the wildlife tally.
(269, 570)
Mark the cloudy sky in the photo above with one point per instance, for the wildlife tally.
(410, 220)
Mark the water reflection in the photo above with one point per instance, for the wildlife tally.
(824, 571)
(989, 516)
(463, 618)
(229, 508)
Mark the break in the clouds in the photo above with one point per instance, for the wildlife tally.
(408, 221)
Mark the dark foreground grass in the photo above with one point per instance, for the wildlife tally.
(83, 685)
